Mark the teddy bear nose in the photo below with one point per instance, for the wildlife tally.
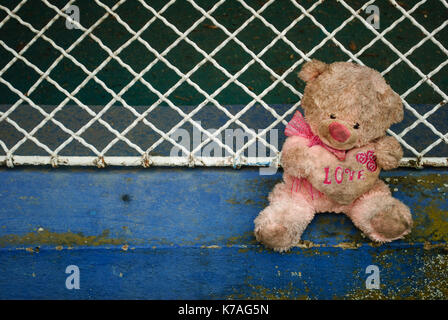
(339, 132)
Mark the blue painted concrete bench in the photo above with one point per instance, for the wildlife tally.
(187, 234)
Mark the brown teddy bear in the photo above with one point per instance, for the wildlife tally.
(332, 160)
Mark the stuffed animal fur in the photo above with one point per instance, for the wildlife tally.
(333, 156)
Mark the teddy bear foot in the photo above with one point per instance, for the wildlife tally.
(280, 225)
(391, 221)
(274, 236)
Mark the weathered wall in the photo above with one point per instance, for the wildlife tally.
(187, 233)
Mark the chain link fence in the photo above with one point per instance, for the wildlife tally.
(146, 83)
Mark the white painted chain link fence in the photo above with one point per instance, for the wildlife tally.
(61, 13)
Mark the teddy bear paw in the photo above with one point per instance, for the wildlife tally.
(391, 222)
(274, 236)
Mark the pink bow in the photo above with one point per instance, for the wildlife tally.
(299, 127)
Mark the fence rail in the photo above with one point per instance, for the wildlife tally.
(25, 115)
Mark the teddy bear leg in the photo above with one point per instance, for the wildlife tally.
(280, 225)
(381, 217)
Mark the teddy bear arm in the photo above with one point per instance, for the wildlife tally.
(295, 156)
(388, 153)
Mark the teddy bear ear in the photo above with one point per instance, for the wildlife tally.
(312, 69)
(391, 98)
(379, 83)
(396, 104)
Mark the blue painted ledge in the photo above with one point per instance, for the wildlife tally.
(164, 233)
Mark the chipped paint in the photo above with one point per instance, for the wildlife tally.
(59, 238)
(167, 224)
(259, 292)
(348, 245)
(430, 214)
(246, 238)
(428, 282)
(431, 246)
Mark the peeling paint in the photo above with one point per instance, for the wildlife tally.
(429, 282)
(246, 238)
(59, 238)
(431, 246)
(348, 245)
(430, 193)
(413, 268)
(258, 292)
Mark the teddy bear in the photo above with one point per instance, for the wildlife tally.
(333, 155)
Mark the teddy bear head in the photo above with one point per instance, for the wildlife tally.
(348, 105)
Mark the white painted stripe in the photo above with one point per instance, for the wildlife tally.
(180, 161)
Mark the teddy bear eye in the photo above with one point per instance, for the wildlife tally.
(356, 126)
(332, 116)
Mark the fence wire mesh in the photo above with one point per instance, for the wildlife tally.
(116, 83)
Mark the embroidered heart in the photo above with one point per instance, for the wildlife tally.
(343, 181)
